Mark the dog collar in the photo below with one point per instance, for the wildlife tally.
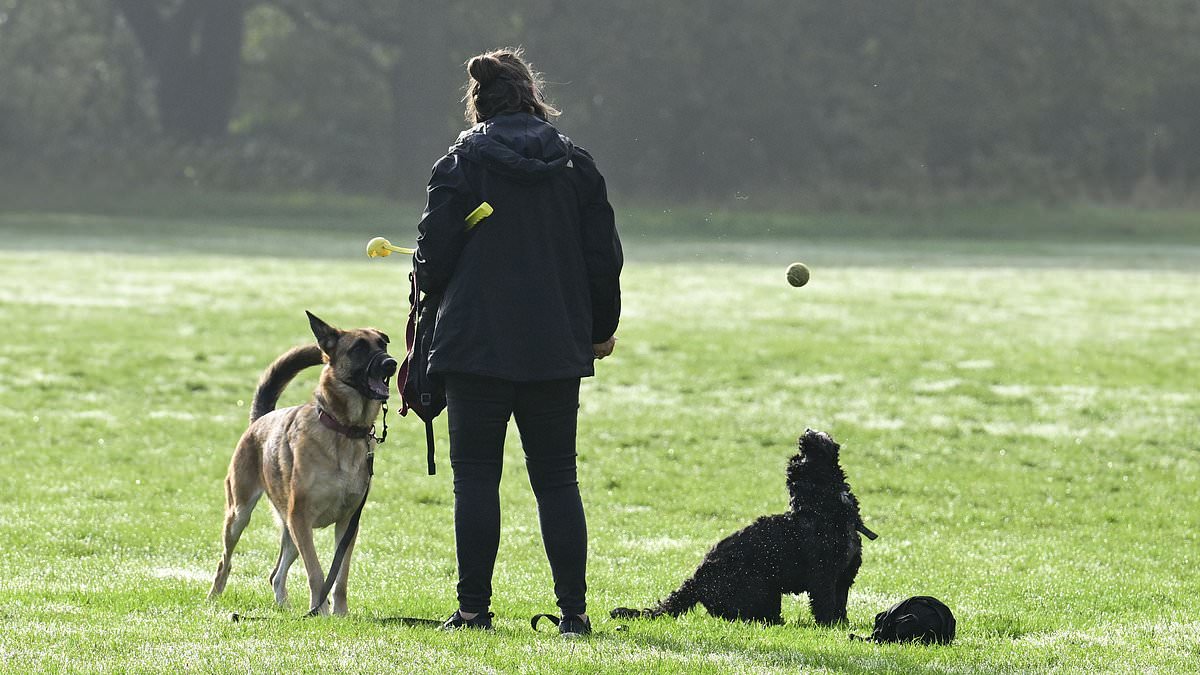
(330, 422)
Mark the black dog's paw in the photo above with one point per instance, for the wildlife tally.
(627, 613)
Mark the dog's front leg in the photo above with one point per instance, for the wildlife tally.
(843, 586)
(302, 536)
(339, 585)
(823, 598)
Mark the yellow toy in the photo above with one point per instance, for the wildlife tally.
(382, 248)
(379, 247)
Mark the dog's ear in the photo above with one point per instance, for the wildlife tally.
(327, 336)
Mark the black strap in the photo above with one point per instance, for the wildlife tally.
(429, 447)
(344, 544)
(409, 621)
(410, 339)
(533, 622)
(383, 621)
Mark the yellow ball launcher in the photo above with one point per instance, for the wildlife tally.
(380, 247)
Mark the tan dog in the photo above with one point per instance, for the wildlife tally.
(312, 460)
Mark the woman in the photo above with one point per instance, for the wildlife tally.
(529, 297)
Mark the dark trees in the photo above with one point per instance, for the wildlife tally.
(194, 52)
(766, 102)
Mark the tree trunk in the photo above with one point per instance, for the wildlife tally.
(195, 55)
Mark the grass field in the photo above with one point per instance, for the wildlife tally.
(1019, 419)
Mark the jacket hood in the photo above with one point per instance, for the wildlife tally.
(522, 146)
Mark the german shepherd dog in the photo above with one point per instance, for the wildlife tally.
(311, 460)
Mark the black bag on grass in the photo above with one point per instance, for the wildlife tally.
(917, 619)
(421, 392)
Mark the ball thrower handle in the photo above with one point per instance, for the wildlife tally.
(380, 247)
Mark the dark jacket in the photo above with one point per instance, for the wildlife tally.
(526, 292)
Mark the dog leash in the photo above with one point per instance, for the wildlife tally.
(344, 544)
(352, 529)
(410, 621)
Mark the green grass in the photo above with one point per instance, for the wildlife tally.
(1018, 418)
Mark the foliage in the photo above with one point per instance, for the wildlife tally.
(816, 102)
(194, 52)
(85, 87)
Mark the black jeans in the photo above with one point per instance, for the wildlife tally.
(478, 409)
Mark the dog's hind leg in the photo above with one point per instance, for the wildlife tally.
(757, 600)
(339, 584)
(240, 499)
(287, 556)
(746, 599)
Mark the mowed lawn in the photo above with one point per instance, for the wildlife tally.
(1020, 421)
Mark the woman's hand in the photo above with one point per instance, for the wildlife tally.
(604, 348)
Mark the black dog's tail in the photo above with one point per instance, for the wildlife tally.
(277, 376)
(675, 604)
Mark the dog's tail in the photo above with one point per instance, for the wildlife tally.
(683, 599)
(277, 376)
(675, 604)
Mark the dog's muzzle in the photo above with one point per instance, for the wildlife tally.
(379, 370)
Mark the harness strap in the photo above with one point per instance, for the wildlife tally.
(352, 530)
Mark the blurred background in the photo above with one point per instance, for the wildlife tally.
(809, 105)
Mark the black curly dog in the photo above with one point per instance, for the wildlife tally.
(814, 548)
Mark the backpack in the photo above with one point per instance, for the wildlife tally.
(420, 392)
(920, 619)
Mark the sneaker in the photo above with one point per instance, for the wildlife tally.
(574, 626)
(569, 626)
(481, 621)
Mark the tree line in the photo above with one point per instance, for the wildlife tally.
(769, 100)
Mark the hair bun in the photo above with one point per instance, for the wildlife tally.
(485, 68)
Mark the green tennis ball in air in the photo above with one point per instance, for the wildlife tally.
(797, 274)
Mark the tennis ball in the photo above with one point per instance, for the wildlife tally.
(797, 274)
(377, 248)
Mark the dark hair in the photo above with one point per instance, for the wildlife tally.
(501, 81)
